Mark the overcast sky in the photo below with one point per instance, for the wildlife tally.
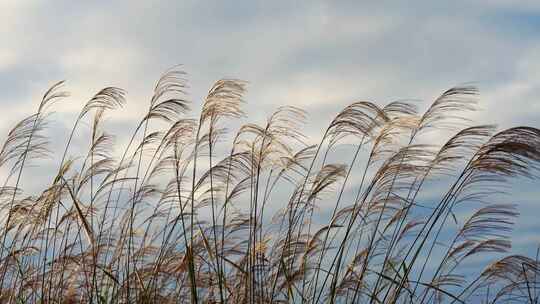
(312, 54)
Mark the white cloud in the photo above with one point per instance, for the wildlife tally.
(7, 58)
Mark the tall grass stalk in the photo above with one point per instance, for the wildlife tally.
(392, 205)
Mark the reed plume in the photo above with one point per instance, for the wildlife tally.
(213, 209)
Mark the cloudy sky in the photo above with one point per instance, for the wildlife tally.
(314, 54)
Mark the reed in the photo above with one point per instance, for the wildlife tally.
(391, 205)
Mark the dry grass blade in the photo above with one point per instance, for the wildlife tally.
(189, 213)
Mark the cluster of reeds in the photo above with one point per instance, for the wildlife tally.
(383, 209)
